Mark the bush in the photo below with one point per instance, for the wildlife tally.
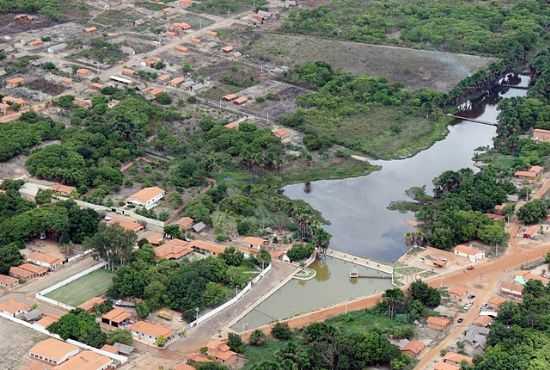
(235, 342)
(163, 99)
(143, 310)
(300, 252)
(281, 331)
(257, 338)
(533, 212)
(120, 336)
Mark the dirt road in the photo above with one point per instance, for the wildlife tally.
(484, 278)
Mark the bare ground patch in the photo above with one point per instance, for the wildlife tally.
(414, 68)
(13, 352)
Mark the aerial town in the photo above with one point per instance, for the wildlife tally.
(274, 184)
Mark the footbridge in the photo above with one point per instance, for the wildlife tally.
(362, 261)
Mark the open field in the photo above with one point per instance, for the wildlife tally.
(416, 69)
(14, 351)
(79, 291)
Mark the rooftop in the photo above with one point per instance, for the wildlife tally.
(466, 249)
(86, 360)
(44, 257)
(13, 306)
(173, 249)
(151, 329)
(146, 194)
(53, 349)
(117, 315)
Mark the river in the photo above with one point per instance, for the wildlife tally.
(356, 208)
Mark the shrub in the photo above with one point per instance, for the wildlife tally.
(281, 331)
(257, 338)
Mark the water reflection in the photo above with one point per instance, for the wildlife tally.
(360, 222)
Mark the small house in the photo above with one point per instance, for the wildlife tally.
(125, 222)
(83, 73)
(90, 29)
(174, 249)
(439, 323)
(476, 336)
(8, 282)
(227, 49)
(473, 254)
(117, 317)
(199, 227)
(483, 320)
(149, 333)
(46, 321)
(90, 304)
(181, 49)
(14, 308)
(147, 198)
(63, 190)
(45, 260)
(240, 100)
(458, 292)
(441, 365)
(457, 359)
(53, 352)
(176, 82)
(511, 288)
(185, 223)
(413, 348)
(87, 360)
(152, 237)
(230, 97)
(14, 82)
(255, 242)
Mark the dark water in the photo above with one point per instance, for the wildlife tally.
(361, 224)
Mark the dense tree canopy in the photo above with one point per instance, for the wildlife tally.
(519, 336)
(30, 130)
(456, 212)
(81, 326)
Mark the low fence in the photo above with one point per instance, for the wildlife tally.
(41, 296)
(116, 357)
(233, 300)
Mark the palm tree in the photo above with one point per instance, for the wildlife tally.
(393, 298)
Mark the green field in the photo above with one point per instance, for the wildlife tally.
(79, 291)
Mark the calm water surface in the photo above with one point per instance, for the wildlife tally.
(331, 285)
(360, 222)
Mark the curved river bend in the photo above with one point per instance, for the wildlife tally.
(360, 222)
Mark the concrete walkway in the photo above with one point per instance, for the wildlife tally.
(361, 261)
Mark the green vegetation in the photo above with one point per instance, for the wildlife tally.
(225, 7)
(300, 252)
(325, 346)
(100, 140)
(10, 256)
(181, 286)
(49, 8)
(30, 130)
(113, 244)
(101, 51)
(365, 114)
(533, 212)
(79, 291)
(519, 115)
(81, 326)
(519, 336)
(62, 221)
(480, 27)
(455, 214)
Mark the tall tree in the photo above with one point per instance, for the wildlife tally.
(113, 244)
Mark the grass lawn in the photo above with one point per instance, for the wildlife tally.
(79, 291)
(385, 132)
(331, 169)
(361, 321)
(255, 355)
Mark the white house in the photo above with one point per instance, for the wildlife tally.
(45, 260)
(149, 333)
(472, 253)
(147, 197)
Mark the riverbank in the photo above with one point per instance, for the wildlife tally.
(357, 208)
